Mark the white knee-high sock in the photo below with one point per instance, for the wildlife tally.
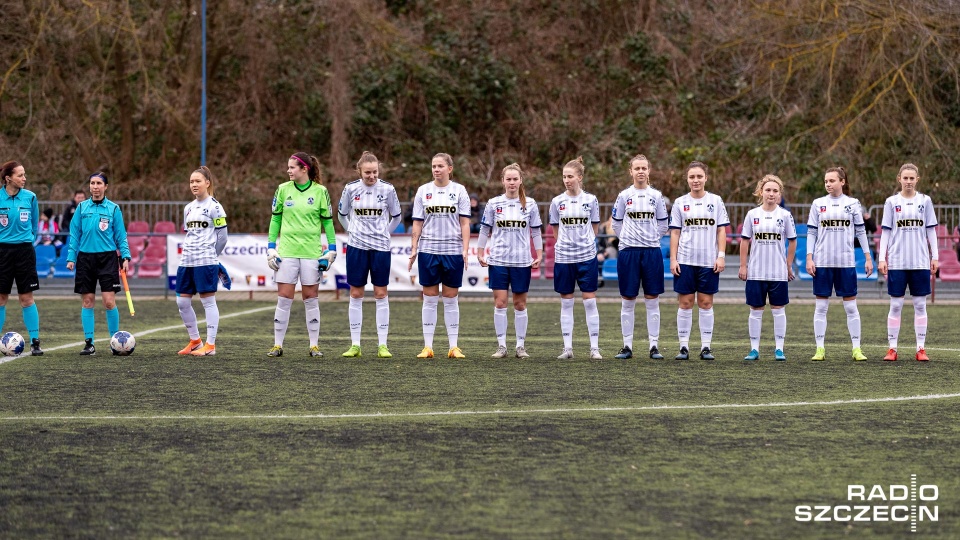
(820, 320)
(684, 324)
(853, 321)
(566, 322)
(920, 320)
(627, 319)
(520, 326)
(500, 325)
(281, 318)
(355, 314)
(706, 327)
(653, 320)
(893, 321)
(593, 321)
(189, 317)
(779, 326)
(754, 324)
(312, 306)
(383, 319)
(429, 318)
(451, 318)
(212, 313)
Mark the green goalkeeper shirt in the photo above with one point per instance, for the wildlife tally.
(299, 212)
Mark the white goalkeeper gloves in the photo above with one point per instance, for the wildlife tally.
(273, 258)
(326, 260)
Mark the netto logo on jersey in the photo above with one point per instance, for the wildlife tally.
(197, 224)
(441, 209)
(368, 211)
(511, 224)
(640, 215)
(869, 511)
(909, 223)
(835, 223)
(695, 222)
(767, 236)
(573, 221)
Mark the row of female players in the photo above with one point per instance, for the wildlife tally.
(369, 209)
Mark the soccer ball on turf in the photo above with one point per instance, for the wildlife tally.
(123, 343)
(11, 344)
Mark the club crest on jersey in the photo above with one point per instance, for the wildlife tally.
(847, 209)
(686, 208)
(453, 196)
(897, 208)
(652, 201)
(104, 223)
(472, 280)
(709, 208)
(4, 220)
(310, 201)
(920, 208)
(779, 223)
(381, 198)
(586, 207)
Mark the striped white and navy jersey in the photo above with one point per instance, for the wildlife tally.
(836, 221)
(643, 213)
(510, 225)
(370, 210)
(440, 210)
(768, 233)
(907, 221)
(698, 221)
(201, 219)
(573, 219)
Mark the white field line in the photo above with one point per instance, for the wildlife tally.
(4, 360)
(492, 412)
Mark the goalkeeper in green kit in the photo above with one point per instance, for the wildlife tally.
(300, 208)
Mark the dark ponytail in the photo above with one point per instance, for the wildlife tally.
(7, 170)
(311, 163)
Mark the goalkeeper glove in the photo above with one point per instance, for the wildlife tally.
(326, 260)
(273, 258)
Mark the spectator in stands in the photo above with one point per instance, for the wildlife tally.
(476, 213)
(49, 231)
(18, 260)
(607, 241)
(78, 197)
(871, 227)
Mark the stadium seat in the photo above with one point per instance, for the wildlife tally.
(860, 260)
(60, 267)
(948, 254)
(667, 274)
(548, 262)
(153, 262)
(137, 241)
(46, 256)
(138, 227)
(665, 246)
(949, 270)
(801, 229)
(609, 270)
(135, 250)
(165, 227)
(400, 229)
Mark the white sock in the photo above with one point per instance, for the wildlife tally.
(355, 314)
(566, 322)
(820, 320)
(779, 326)
(893, 321)
(706, 327)
(500, 325)
(429, 318)
(520, 325)
(754, 324)
(920, 320)
(684, 324)
(281, 318)
(853, 321)
(627, 317)
(593, 321)
(213, 317)
(383, 319)
(189, 317)
(312, 306)
(451, 318)
(653, 320)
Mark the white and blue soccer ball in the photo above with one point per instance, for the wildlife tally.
(123, 343)
(11, 344)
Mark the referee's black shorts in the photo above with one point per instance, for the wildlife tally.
(18, 262)
(103, 267)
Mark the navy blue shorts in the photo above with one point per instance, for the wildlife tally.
(843, 280)
(514, 278)
(197, 279)
(696, 279)
(918, 280)
(640, 265)
(437, 269)
(759, 291)
(584, 275)
(367, 262)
